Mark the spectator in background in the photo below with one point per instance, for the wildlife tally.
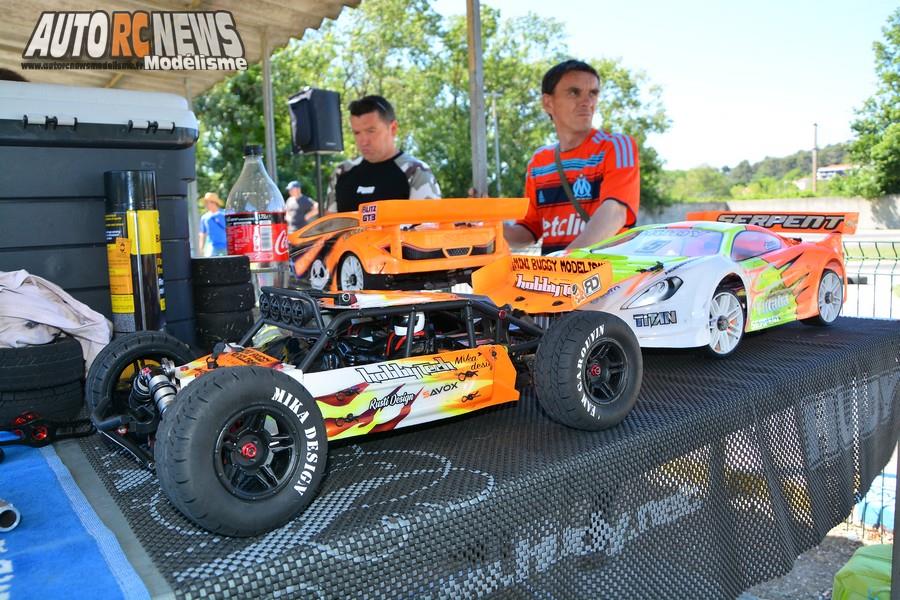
(212, 227)
(382, 171)
(299, 208)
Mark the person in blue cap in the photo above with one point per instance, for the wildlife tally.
(299, 209)
(213, 241)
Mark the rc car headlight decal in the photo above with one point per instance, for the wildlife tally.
(657, 292)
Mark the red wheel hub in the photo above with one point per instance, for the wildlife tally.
(595, 370)
(40, 433)
(248, 450)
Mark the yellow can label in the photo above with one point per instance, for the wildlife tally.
(143, 230)
(122, 304)
(117, 254)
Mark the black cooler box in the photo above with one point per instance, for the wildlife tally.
(56, 142)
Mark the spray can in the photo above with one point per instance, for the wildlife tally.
(134, 251)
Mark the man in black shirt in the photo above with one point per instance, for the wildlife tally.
(381, 172)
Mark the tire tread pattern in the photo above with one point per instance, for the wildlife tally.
(58, 403)
(555, 375)
(177, 474)
(41, 365)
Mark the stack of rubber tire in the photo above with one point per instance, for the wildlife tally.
(46, 379)
(223, 299)
(176, 262)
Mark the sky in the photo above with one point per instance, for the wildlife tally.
(740, 80)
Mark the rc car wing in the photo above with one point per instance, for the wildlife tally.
(785, 222)
(447, 210)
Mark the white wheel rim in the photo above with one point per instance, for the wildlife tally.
(318, 274)
(831, 296)
(726, 323)
(352, 274)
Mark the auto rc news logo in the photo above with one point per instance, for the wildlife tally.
(153, 41)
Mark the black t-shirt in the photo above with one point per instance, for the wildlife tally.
(368, 182)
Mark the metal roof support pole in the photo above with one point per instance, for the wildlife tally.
(268, 107)
(476, 98)
(193, 211)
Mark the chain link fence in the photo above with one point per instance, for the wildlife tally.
(873, 271)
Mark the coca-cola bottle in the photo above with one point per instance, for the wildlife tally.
(255, 223)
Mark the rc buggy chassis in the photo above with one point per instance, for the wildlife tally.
(239, 438)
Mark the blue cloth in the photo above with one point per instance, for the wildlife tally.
(213, 225)
(60, 549)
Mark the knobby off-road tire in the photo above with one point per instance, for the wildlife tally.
(41, 365)
(242, 450)
(588, 370)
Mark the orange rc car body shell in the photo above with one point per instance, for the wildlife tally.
(404, 237)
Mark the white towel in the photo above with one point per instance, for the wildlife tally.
(35, 311)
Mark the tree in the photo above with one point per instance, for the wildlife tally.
(516, 52)
(628, 105)
(700, 183)
(877, 147)
(742, 173)
(407, 52)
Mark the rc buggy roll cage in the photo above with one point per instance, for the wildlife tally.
(239, 438)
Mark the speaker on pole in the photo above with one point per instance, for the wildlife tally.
(316, 121)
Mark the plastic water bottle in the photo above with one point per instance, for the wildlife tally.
(255, 223)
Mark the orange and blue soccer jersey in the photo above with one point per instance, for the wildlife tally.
(605, 166)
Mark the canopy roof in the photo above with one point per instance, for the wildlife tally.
(278, 20)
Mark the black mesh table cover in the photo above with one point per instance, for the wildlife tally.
(725, 472)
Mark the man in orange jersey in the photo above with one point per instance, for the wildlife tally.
(601, 168)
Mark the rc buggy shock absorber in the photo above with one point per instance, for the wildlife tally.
(154, 385)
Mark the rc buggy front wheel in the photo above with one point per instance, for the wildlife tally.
(242, 450)
(588, 370)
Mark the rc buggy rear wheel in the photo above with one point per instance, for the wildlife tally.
(590, 370)
(242, 450)
(830, 299)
